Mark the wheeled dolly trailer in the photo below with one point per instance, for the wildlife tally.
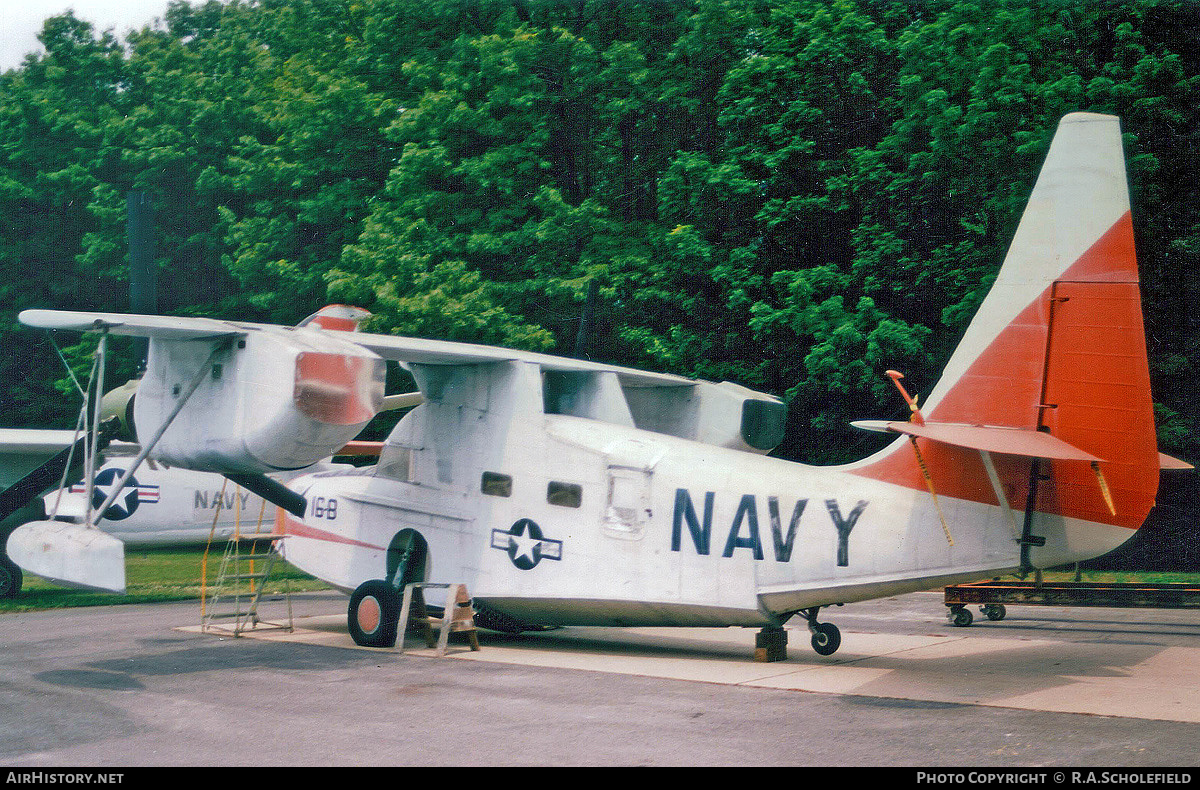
(992, 596)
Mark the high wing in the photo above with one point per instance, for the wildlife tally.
(267, 398)
(131, 325)
(440, 352)
(397, 349)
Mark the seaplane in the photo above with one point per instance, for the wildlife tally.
(566, 492)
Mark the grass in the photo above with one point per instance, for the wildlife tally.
(168, 573)
(1120, 577)
(174, 573)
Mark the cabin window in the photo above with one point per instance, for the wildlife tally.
(564, 494)
(624, 497)
(396, 462)
(496, 484)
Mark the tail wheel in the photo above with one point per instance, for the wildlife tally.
(373, 615)
(826, 638)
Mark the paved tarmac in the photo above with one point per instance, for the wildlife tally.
(128, 686)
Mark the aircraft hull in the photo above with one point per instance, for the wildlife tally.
(713, 537)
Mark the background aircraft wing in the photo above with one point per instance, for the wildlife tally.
(22, 450)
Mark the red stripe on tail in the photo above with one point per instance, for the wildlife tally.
(1073, 363)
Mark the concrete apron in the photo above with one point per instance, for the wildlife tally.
(1118, 680)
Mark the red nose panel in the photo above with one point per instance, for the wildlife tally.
(337, 389)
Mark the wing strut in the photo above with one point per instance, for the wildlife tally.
(84, 555)
(1108, 500)
(990, 467)
(95, 393)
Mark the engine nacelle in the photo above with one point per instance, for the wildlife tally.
(270, 400)
(725, 414)
(118, 404)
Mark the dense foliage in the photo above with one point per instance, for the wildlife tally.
(792, 194)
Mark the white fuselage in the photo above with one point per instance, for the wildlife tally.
(557, 519)
(568, 491)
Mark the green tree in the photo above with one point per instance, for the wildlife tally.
(56, 160)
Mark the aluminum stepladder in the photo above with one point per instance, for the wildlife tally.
(240, 585)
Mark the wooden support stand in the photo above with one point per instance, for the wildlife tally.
(458, 617)
(770, 644)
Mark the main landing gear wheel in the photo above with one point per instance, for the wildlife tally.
(374, 614)
(826, 638)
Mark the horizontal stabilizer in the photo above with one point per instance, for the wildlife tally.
(1172, 464)
(1053, 366)
(1010, 441)
(69, 554)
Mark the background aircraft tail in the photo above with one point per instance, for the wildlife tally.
(1057, 347)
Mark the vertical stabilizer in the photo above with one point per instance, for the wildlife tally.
(1058, 344)
(1076, 225)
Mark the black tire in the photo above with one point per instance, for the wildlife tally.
(826, 639)
(995, 611)
(961, 617)
(406, 558)
(373, 614)
(11, 578)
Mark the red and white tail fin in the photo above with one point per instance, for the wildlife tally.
(341, 317)
(1058, 344)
